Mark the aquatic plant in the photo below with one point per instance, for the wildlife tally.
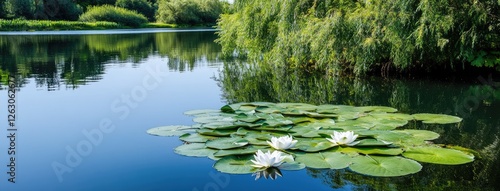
(244, 138)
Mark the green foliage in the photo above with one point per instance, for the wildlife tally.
(141, 6)
(190, 12)
(20, 8)
(114, 14)
(3, 11)
(57, 10)
(90, 3)
(40, 25)
(364, 36)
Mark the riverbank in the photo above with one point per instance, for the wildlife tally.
(45, 25)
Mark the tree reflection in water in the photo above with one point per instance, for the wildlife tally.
(480, 129)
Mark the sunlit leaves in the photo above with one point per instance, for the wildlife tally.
(436, 118)
(384, 166)
(438, 155)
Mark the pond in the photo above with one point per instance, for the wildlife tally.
(84, 102)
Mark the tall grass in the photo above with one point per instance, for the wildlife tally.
(41, 25)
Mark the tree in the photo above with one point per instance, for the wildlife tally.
(365, 36)
(189, 12)
(20, 8)
(3, 10)
(141, 6)
(57, 10)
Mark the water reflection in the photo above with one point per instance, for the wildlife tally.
(478, 103)
(73, 60)
(271, 173)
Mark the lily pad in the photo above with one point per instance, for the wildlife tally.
(221, 125)
(172, 130)
(247, 118)
(438, 155)
(227, 143)
(313, 144)
(370, 150)
(227, 109)
(378, 108)
(436, 118)
(236, 164)
(240, 151)
(324, 160)
(194, 150)
(420, 134)
(196, 138)
(385, 166)
(215, 132)
(372, 142)
(214, 119)
(292, 166)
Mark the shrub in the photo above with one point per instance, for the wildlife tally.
(114, 14)
(191, 12)
(141, 6)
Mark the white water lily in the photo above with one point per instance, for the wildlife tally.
(268, 159)
(282, 143)
(343, 138)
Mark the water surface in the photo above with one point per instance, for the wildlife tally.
(71, 86)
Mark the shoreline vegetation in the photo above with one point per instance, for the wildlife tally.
(45, 15)
(365, 37)
(45, 25)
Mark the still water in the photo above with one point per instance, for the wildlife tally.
(85, 101)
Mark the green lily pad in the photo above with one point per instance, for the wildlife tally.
(227, 143)
(196, 138)
(292, 166)
(324, 160)
(266, 109)
(172, 130)
(370, 150)
(221, 125)
(215, 132)
(247, 118)
(236, 164)
(214, 119)
(372, 142)
(321, 115)
(436, 118)
(227, 109)
(385, 166)
(313, 144)
(378, 109)
(438, 155)
(246, 150)
(349, 116)
(392, 136)
(420, 134)
(194, 150)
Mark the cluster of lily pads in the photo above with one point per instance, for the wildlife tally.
(262, 138)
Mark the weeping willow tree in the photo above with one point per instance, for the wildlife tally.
(364, 36)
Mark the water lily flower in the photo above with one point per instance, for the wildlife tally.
(343, 138)
(282, 143)
(268, 159)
